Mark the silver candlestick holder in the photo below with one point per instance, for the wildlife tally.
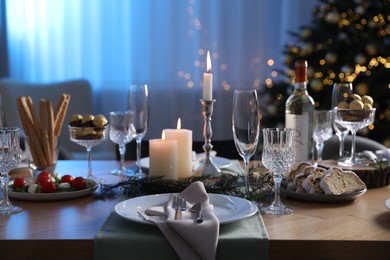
(206, 166)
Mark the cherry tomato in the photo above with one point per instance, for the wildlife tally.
(79, 183)
(67, 178)
(48, 187)
(19, 182)
(43, 177)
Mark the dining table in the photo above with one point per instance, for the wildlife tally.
(67, 229)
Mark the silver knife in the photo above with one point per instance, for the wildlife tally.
(197, 209)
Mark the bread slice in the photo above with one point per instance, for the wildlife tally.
(301, 177)
(298, 170)
(312, 183)
(337, 182)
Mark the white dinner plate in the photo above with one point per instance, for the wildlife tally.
(220, 162)
(226, 208)
(387, 203)
(53, 196)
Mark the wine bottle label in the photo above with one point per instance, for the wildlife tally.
(301, 140)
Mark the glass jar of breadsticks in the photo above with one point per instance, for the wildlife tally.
(42, 130)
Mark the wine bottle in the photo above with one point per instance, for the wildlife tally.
(299, 113)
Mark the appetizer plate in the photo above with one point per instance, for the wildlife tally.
(226, 208)
(54, 196)
(220, 162)
(322, 197)
(387, 204)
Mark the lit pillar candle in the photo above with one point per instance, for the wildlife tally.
(163, 158)
(208, 81)
(184, 149)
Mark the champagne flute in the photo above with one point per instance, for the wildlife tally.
(10, 157)
(139, 103)
(246, 124)
(278, 155)
(322, 129)
(89, 137)
(121, 133)
(341, 92)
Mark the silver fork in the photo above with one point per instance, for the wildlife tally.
(179, 204)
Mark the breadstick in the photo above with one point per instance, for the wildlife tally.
(50, 127)
(62, 107)
(25, 115)
(34, 116)
(44, 130)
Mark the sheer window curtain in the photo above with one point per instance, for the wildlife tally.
(161, 43)
(3, 42)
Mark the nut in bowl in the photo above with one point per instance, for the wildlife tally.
(360, 116)
(88, 131)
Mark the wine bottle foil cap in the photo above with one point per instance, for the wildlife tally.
(300, 71)
(301, 63)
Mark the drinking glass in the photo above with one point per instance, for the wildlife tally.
(139, 104)
(121, 133)
(353, 120)
(278, 155)
(10, 157)
(322, 129)
(89, 137)
(246, 124)
(341, 92)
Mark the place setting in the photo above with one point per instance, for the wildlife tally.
(194, 222)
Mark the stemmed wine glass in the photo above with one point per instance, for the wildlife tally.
(341, 92)
(139, 104)
(121, 133)
(89, 137)
(353, 120)
(246, 124)
(10, 157)
(322, 129)
(278, 155)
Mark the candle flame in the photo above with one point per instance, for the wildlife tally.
(178, 127)
(163, 135)
(208, 62)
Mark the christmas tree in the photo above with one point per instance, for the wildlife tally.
(346, 41)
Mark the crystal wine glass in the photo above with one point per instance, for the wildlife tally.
(89, 137)
(246, 124)
(278, 155)
(341, 92)
(139, 103)
(10, 157)
(322, 129)
(353, 120)
(121, 133)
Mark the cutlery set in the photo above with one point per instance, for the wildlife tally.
(180, 204)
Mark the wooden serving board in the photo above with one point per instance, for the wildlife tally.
(373, 177)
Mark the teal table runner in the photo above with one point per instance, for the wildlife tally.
(120, 238)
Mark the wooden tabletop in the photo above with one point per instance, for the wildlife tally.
(66, 229)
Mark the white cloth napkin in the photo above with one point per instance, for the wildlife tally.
(189, 239)
(379, 154)
(384, 154)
